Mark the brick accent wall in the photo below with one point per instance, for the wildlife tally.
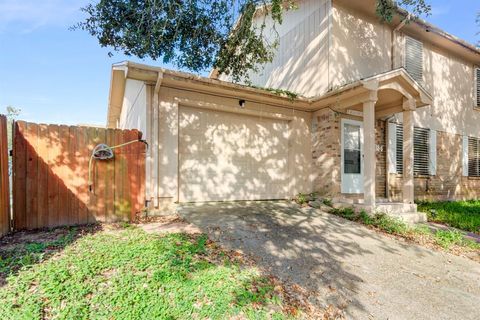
(448, 183)
(326, 153)
(381, 155)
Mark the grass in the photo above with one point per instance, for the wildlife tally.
(464, 215)
(443, 238)
(128, 274)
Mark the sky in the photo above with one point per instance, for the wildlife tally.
(55, 75)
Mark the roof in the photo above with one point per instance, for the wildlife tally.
(420, 28)
(182, 80)
(186, 81)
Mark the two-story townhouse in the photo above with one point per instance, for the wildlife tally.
(386, 112)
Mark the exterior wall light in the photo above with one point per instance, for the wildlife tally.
(241, 103)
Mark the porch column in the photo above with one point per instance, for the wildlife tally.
(369, 161)
(408, 182)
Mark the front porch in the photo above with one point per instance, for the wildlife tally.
(362, 104)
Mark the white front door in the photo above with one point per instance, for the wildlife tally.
(352, 156)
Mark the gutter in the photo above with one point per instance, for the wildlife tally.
(154, 169)
(434, 29)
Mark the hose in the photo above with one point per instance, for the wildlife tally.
(105, 152)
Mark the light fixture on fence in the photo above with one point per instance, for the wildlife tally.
(105, 152)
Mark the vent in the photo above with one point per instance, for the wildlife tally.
(421, 151)
(477, 84)
(473, 157)
(414, 58)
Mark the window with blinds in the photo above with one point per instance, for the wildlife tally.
(421, 151)
(399, 158)
(473, 157)
(414, 58)
(477, 85)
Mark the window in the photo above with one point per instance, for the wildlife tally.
(473, 157)
(477, 86)
(421, 151)
(414, 58)
(399, 147)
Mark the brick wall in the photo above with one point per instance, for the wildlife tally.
(381, 155)
(448, 183)
(326, 152)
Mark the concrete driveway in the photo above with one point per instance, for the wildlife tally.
(346, 264)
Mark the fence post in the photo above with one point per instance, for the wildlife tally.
(4, 179)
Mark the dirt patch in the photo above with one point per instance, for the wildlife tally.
(26, 248)
(12, 241)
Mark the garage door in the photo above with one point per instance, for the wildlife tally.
(227, 156)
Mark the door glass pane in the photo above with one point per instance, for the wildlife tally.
(352, 152)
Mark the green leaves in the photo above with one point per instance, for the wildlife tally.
(193, 34)
(386, 9)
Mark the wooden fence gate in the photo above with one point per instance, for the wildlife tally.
(51, 173)
(4, 179)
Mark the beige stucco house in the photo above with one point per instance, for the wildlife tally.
(386, 113)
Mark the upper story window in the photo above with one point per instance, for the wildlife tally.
(414, 58)
(477, 87)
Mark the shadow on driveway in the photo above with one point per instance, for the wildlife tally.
(343, 263)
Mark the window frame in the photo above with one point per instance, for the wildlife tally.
(420, 169)
(473, 164)
(476, 87)
(405, 58)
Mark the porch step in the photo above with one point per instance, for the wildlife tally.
(395, 208)
(388, 208)
(410, 217)
(403, 211)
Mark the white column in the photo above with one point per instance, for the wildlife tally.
(369, 160)
(408, 182)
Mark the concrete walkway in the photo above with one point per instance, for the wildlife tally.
(344, 263)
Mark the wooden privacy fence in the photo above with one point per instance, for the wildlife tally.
(4, 179)
(51, 169)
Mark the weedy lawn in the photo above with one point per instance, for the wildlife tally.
(128, 274)
(448, 240)
(463, 215)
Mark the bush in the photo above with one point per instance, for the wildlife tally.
(381, 221)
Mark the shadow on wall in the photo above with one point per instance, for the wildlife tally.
(361, 48)
(51, 176)
(300, 62)
(451, 84)
(223, 156)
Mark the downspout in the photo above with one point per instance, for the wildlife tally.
(394, 36)
(154, 159)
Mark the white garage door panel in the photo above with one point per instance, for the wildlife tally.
(227, 156)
